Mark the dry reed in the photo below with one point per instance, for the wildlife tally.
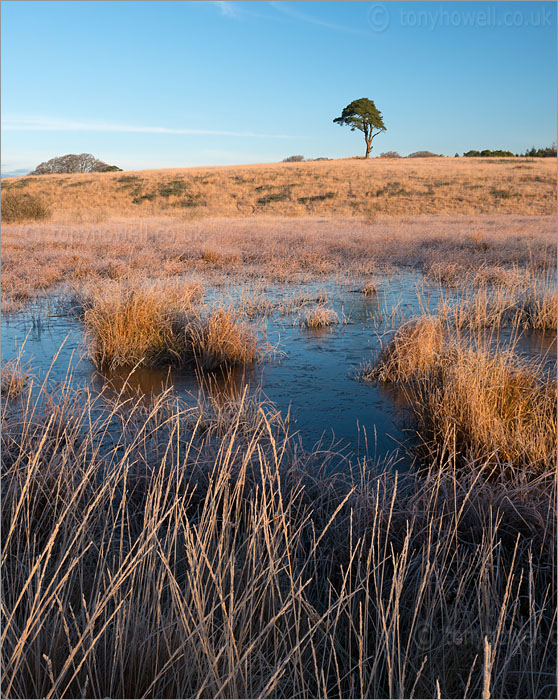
(158, 325)
(470, 401)
(153, 562)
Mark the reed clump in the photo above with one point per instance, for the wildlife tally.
(143, 559)
(470, 401)
(540, 311)
(14, 379)
(488, 406)
(370, 289)
(163, 325)
(532, 306)
(416, 347)
(134, 326)
(222, 337)
(319, 317)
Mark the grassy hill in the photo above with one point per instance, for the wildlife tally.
(341, 188)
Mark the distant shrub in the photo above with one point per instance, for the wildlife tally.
(321, 158)
(390, 154)
(273, 197)
(489, 154)
(316, 197)
(293, 159)
(20, 206)
(128, 179)
(174, 187)
(112, 169)
(500, 194)
(144, 197)
(189, 200)
(282, 195)
(423, 154)
(549, 152)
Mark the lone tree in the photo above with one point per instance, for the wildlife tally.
(363, 115)
(72, 163)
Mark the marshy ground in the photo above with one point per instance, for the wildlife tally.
(295, 447)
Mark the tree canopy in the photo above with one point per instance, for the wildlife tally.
(363, 115)
(72, 163)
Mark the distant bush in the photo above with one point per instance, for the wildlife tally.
(72, 163)
(173, 187)
(423, 154)
(390, 154)
(316, 198)
(489, 154)
(549, 152)
(293, 159)
(273, 197)
(20, 206)
(500, 194)
(321, 158)
(112, 169)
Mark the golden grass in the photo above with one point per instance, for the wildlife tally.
(530, 304)
(154, 549)
(341, 188)
(319, 317)
(153, 562)
(369, 289)
(488, 407)
(221, 337)
(131, 327)
(22, 206)
(163, 325)
(14, 379)
(471, 401)
(414, 349)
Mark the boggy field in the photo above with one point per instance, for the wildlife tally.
(300, 446)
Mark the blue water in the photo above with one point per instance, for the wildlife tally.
(312, 375)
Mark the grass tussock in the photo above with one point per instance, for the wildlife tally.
(14, 379)
(222, 338)
(470, 401)
(370, 289)
(151, 561)
(319, 317)
(415, 348)
(131, 327)
(540, 311)
(160, 325)
(486, 406)
(23, 206)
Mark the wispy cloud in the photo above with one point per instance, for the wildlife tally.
(286, 9)
(28, 124)
(228, 9)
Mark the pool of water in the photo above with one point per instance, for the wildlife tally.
(311, 376)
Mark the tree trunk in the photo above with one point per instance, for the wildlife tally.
(368, 148)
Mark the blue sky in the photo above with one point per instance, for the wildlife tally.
(173, 84)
